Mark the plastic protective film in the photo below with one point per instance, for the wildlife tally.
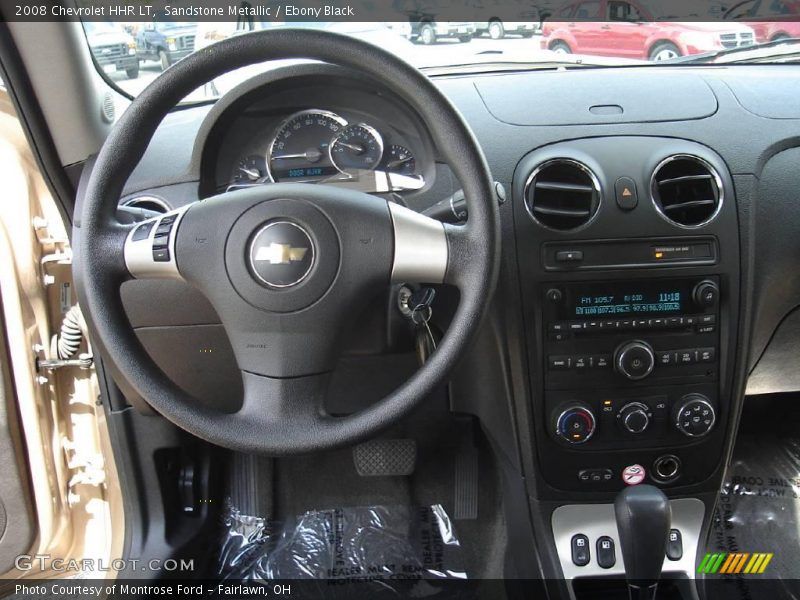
(758, 515)
(373, 545)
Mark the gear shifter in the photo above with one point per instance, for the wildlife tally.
(643, 520)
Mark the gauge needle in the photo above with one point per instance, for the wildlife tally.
(311, 155)
(251, 173)
(354, 147)
(399, 161)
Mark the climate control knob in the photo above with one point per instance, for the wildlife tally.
(634, 417)
(575, 424)
(634, 360)
(695, 416)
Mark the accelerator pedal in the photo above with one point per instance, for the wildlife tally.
(466, 476)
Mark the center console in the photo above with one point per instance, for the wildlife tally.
(628, 259)
(629, 364)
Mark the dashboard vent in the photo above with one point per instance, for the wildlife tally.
(150, 203)
(562, 194)
(686, 190)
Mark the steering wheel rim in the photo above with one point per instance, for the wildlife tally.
(288, 419)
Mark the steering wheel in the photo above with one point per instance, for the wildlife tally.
(287, 266)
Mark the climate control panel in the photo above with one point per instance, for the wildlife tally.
(624, 421)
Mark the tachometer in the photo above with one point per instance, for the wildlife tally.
(300, 150)
(357, 148)
(250, 169)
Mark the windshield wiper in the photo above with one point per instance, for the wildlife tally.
(708, 57)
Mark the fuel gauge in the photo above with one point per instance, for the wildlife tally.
(399, 159)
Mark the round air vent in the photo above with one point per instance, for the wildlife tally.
(148, 203)
(562, 194)
(687, 190)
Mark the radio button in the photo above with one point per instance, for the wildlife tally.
(687, 357)
(665, 358)
(580, 362)
(657, 323)
(706, 354)
(592, 326)
(675, 322)
(707, 319)
(576, 326)
(609, 325)
(689, 321)
(626, 324)
(558, 326)
(641, 324)
(601, 361)
(559, 363)
(569, 256)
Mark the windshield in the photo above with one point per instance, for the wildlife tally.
(579, 34)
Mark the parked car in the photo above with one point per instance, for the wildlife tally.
(627, 29)
(165, 41)
(498, 29)
(112, 47)
(426, 30)
(771, 20)
(526, 19)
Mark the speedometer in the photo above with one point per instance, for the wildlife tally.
(300, 150)
(357, 148)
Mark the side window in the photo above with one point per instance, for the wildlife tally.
(778, 7)
(588, 11)
(566, 13)
(623, 11)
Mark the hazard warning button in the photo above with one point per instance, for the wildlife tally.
(625, 190)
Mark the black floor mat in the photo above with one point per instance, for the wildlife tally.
(758, 514)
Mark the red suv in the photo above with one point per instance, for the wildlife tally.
(773, 19)
(626, 29)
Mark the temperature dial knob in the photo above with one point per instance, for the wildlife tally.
(575, 424)
(634, 417)
(695, 416)
(634, 360)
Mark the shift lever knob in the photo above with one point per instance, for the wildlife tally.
(643, 520)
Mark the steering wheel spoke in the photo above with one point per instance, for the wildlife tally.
(150, 248)
(273, 402)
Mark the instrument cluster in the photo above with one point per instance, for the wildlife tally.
(321, 146)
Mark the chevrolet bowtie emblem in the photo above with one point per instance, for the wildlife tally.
(280, 254)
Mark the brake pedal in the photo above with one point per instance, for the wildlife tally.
(385, 458)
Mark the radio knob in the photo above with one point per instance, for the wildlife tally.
(695, 416)
(706, 294)
(634, 417)
(634, 360)
(575, 424)
(555, 295)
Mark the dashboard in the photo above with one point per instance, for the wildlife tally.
(648, 261)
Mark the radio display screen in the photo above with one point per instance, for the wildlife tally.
(630, 303)
(670, 297)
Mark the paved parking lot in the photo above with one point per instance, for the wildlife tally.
(444, 52)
